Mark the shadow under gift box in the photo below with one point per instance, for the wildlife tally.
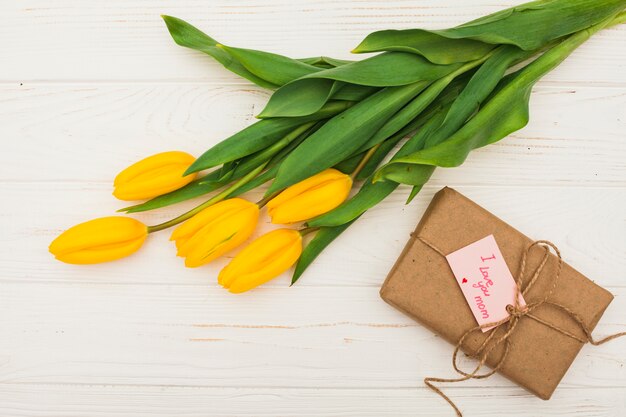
(422, 285)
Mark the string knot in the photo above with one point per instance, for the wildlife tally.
(519, 311)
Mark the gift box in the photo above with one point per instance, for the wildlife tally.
(422, 285)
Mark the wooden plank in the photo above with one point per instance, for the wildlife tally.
(89, 132)
(194, 335)
(126, 40)
(22, 400)
(588, 225)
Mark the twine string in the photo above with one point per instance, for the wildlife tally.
(516, 313)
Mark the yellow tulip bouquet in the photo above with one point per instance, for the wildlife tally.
(332, 123)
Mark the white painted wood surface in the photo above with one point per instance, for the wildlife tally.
(88, 87)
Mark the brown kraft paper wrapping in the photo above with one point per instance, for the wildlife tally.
(422, 285)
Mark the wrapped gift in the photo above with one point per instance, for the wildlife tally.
(565, 304)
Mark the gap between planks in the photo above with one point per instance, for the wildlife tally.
(474, 386)
(243, 83)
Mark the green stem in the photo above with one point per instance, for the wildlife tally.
(306, 231)
(368, 155)
(262, 202)
(215, 199)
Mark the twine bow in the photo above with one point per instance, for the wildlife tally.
(516, 313)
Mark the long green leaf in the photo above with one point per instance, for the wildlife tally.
(299, 98)
(436, 48)
(265, 69)
(187, 35)
(259, 136)
(528, 26)
(342, 135)
(277, 69)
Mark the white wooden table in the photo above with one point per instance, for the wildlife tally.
(89, 87)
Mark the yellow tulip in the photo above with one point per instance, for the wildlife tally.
(267, 257)
(310, 198)
(216, 230)
(99, 240)
(153, 176)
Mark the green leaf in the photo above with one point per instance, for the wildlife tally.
(299, 99)
(277, 69)
(342, 135)
(307, 94)
(436, 48)
(532, 25)
(324, 61)
(259, 136)
(414, 191)
(354, 92)
(528, 26)
(505, 112)
(323, 237)
(262, 68)
(189, 36)
(302, 99)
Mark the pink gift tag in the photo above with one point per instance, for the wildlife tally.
(485, 280)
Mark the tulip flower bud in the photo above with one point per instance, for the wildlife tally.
(267, 257)
(310, 198)
(153, 176)
(216, 230)
(99, 240)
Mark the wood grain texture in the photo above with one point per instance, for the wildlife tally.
(127, 40)
(87, 88)
(146, 401)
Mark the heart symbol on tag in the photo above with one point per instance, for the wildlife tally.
(464, 280)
